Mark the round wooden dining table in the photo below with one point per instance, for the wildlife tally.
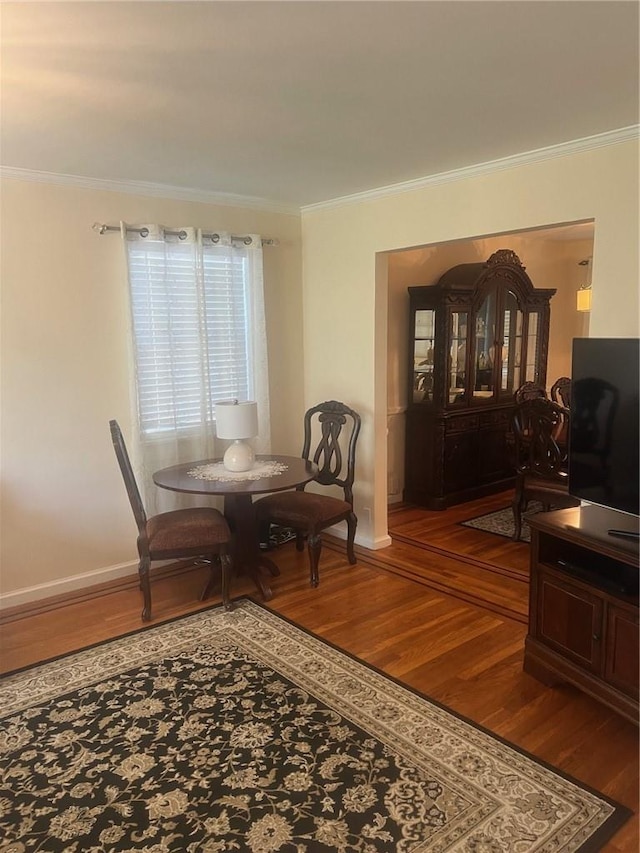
(193, 478)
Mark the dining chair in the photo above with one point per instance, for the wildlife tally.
(528, 391)
(541, 468)
(201, 533)
(561, 391)
(332, 428)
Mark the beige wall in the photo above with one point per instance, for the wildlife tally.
(65, 372)
(65, 368)
(345, 279)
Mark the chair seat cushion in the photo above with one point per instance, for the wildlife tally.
(194, 528)
(302, 509)
(554, 492)
(533, 481)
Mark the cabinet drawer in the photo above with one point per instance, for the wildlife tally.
(570, 620)
(460, 461)
(463, 423)
(501, 418)
(623, 640)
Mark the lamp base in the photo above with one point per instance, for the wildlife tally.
(239, 456)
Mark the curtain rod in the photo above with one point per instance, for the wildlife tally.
(101, 228)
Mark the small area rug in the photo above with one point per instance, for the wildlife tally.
(501, 522)
(242, 732)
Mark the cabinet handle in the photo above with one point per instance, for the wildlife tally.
(596, 637)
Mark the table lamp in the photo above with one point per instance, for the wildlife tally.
(237, 421)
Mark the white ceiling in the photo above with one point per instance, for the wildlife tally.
(302, 102)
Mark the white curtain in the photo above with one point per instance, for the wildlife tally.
(199, 336)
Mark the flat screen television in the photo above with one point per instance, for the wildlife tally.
(604, 438)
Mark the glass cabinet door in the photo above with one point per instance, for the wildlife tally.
(457, 371)
(512, 327)
(533, 332)
(484, 354)
(423, 351)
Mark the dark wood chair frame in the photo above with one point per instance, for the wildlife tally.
(561, 391)
(213, 557)
(541, 468)
(332, 416)
(528, 391)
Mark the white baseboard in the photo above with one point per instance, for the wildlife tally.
(376, 544)
(361, 539)
(61, 586)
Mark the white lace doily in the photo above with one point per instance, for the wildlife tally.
(217, 471)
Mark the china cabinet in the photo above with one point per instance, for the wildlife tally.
(475, 337)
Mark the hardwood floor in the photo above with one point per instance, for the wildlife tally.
(408, 610)
(478, 567)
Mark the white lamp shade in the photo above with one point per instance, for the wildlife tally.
(236, 420)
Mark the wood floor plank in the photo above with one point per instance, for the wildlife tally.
(468, 563)
(458, 651)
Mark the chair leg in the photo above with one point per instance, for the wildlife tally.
(214, 563)
(352, 523)
(222, 562)
(314, 546)
(145, 586)
(225, 561)
(299, 541)
(518, 504)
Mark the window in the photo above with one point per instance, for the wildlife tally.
(192, 324)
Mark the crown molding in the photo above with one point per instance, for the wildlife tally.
(600, 140)
(168, 191)
(143, 188)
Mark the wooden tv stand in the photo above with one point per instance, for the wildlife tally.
(583, 606)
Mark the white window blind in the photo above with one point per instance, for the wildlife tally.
(191, 321)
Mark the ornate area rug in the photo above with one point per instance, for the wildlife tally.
(241, 732)
(501, 522)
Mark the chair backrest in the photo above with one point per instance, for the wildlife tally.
(127, 474)
(529, 391)
(333, 428)
(561, 391)
(537, 423)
